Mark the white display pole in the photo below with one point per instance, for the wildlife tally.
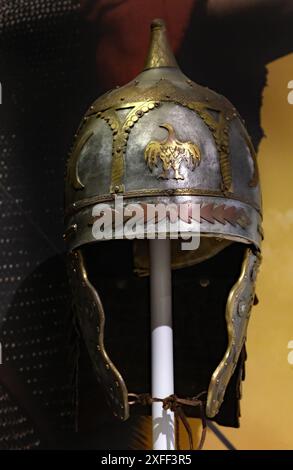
(162, 343)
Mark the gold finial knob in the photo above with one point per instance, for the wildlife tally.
(158, 23)
(160, 53)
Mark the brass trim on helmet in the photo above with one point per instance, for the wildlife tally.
(140, 98)
(164, 91)
(77, 206)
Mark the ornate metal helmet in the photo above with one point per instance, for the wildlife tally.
(163, 138)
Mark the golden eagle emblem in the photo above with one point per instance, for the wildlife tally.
(172, 153)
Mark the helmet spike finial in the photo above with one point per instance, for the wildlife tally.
(160, 53)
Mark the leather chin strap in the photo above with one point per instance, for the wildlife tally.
(176, 404)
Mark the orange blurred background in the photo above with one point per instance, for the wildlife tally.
(267, 403)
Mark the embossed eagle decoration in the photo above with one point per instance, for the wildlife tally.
(172, 153)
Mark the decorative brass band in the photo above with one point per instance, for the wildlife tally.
(118, 164)
(162, 90)
(210, 213)
(142, 100)
(119, 144)
(220, 131)
(120, 131)
(77, 206)
(91, 317)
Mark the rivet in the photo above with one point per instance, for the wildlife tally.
(116, 383)
(122, 98)
(107, 366)
(99, 348)
(242, 308)
(151, 106)
(117, 86)
(91, 107)
(204, 282)
(226, 363)
(116, 189)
